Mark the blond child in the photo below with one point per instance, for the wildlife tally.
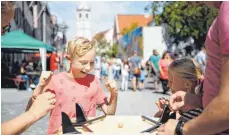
(125, 75)
(77, 86)
(183, 75)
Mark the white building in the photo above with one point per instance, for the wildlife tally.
(153, 39)
(83, 21)
(108, 35)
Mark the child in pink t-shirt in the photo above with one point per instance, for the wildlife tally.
(77, 86)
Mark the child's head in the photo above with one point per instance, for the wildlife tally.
(166, 55)
(103, 59)
(81, 55)
(125, 62)
(184, 74)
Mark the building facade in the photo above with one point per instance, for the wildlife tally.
(83, 21)
(34, 19)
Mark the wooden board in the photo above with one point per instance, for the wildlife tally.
(113, 125)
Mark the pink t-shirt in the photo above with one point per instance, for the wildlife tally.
(164, 64)
(217, 44)
(87, 92)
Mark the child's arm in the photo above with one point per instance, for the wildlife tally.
(44, 80)
(160, 104)
(110, 108)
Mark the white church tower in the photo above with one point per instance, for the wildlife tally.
(83, 21)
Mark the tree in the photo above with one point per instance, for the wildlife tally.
(113, 51)
(185, 20)
(102, 47)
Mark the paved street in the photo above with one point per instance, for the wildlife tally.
(129, 103)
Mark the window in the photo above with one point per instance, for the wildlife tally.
(80, 15)
(86, 15)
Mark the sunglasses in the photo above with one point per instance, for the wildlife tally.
(6, 29)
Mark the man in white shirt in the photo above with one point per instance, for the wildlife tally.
(201, 58)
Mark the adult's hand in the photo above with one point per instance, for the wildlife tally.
(42, 105)
(44, 80)
(168, 128)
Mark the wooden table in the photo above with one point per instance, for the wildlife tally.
(132, 125)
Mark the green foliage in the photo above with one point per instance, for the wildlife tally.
(113, 51)
(185, 20)
(103, 48)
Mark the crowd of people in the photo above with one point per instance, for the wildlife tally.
(199, 100)
(21, 71)
(136, 69)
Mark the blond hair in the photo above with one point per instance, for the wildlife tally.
(79, 47)
(188, 69)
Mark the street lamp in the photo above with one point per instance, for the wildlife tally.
(63, 27)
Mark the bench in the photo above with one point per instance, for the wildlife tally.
(19, 82)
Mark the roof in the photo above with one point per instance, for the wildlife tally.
(100, 34)
(125, 21)
(83, 6)
(20, 40)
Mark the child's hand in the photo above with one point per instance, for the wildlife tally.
(161, 104)
(111, 86)
(45, 78)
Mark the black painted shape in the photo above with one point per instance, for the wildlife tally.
(67, 126)
(165, 115)
(164, 118)
(80, 116)
(151, 129)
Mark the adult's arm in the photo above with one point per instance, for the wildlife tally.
(215, 117)
(18, 124)
(41, 106)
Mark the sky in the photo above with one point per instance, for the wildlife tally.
(103, 13)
